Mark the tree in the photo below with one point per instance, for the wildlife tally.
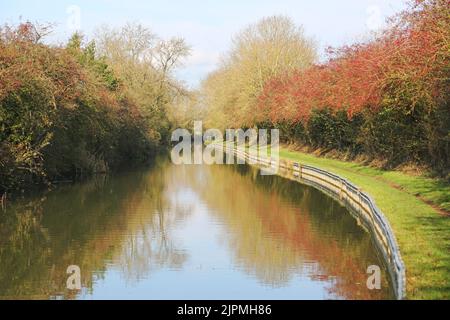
(63, 111)
(397, 83)
(146, 64)
(271, 47)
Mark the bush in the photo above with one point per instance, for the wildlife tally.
(387, 98)
(62, 112)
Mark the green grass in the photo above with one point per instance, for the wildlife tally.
(410, 203)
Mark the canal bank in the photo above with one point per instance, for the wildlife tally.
(420, 229)
(360, 204)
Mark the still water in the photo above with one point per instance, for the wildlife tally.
(185, 232)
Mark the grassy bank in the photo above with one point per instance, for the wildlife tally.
(416, 209)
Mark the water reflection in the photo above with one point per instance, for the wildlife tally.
(280, 229)
(185, 232)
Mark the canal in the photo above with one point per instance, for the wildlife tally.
(186, 232)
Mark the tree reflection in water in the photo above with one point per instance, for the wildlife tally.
(274, 229)
(279, 228)
(89, 224)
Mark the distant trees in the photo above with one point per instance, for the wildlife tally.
(186, 109)
(269, 48)
(84, 107)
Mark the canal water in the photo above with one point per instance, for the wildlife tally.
(186, 232)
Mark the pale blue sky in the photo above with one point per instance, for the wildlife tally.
(207, 25)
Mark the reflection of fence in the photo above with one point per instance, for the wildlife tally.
(362, 205)
(3, 200)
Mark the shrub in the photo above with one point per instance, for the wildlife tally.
(62, 111)
(387, 98)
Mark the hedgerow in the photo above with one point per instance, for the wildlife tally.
(387, 98)
(62, 112)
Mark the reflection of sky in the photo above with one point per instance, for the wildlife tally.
(210, 271)
(188, 232)
(209, 25)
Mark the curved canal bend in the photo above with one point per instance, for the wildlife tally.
(186, 232)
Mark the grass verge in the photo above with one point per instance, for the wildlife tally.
(416, 208)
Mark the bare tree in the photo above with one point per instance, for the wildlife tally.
(168, 54)
(146, 63)
(271, 47)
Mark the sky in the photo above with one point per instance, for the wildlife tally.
(207, 25)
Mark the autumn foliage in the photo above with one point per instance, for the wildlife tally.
(62, 112)
(394, 90)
